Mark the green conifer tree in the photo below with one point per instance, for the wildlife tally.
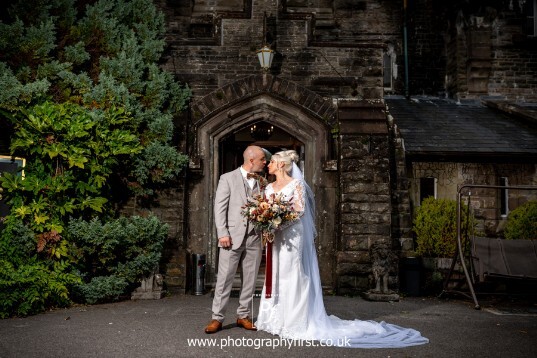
(91, 111)
(96, 54)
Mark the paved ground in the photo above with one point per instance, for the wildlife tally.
(163, 328)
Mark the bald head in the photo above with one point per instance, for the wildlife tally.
(251, 152)
(254, 159)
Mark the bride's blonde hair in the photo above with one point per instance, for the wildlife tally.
(288, 157)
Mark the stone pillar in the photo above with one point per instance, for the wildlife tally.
(479, 60)
(365, 191)
(400, 187)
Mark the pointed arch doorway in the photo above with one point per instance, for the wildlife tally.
(222, 133)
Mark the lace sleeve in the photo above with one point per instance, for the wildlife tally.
(299, 198)
(298, 201)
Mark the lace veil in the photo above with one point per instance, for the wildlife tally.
(309, 207)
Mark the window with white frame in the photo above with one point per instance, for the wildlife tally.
(427, 188)
(504, 197)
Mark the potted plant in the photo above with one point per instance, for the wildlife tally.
(435, 227)
(522, 222)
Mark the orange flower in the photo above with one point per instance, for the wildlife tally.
(269, 213)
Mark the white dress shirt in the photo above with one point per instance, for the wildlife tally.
(251, 181)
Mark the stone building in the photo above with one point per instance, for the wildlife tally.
(343, 91)
(386, 101)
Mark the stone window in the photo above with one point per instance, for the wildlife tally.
(530, 12)
(427, 188)
(389, 67)
(387, 81)
(504, 198)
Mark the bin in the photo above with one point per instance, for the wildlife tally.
(411, 276)
(198, 274)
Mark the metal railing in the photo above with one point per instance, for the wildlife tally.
(459, 239)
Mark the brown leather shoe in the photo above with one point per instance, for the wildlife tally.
(213, 327)
(246, 323)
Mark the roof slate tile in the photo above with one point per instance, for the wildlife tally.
(441, 125)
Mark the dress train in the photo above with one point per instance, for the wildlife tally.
(296, 308)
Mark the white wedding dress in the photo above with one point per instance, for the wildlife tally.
(296, 308)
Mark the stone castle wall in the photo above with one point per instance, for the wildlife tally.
(335, 49)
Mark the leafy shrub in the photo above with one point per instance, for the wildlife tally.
(101, 289)
(33, 286)
(87, 60)
(71, 153)
(30, 283)
(435, 225)
(92, 113)
(114, 256)
(522, 222)
(105, 262)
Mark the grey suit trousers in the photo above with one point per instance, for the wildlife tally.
(249, 254)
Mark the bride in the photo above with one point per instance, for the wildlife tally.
(295, 309)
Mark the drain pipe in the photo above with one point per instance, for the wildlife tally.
(405, 46)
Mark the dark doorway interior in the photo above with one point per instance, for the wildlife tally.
(232, 147)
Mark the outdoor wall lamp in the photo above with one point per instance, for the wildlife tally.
(265, 54)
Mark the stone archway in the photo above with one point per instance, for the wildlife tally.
(296, 110)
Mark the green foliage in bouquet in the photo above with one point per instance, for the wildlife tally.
(522, 222)
(435, 225)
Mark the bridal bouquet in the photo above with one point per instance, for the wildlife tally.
(269, 213)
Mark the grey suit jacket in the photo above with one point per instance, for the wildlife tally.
(228, 201)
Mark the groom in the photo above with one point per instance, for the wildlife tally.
(237, 239)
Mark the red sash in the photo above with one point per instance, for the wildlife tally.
(268, 271)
